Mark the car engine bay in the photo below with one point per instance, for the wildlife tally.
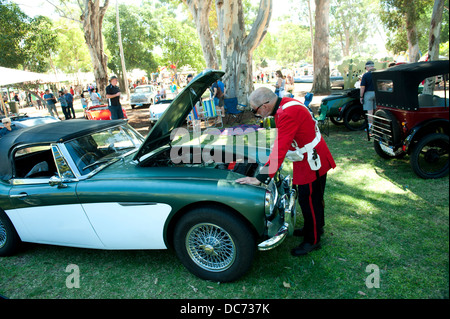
(190, 156)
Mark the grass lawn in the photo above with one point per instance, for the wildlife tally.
(378, 213)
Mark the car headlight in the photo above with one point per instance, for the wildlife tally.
(270, 200)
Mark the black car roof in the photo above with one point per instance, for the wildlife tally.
(406, 79)
(57, 132)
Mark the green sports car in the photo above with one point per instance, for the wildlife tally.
(101, 185)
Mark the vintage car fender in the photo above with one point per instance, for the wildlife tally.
(345, 106)
(425, 128)
(174, 187)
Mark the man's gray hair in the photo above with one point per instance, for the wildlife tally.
(260, 96)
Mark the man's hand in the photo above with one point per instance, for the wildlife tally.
(248, 180)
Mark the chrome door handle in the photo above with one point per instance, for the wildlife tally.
(21, 195)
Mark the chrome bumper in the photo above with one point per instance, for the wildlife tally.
(288, 202)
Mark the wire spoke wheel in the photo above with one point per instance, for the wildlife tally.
(3, 234)
(210, 247)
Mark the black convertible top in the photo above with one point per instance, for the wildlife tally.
(405, 79)
(57, 132)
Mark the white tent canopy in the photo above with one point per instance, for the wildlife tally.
(12, 76)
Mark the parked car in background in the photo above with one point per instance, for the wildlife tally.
(157, 110)
(344, 107)
(101, 185)
(23, 120)
(336, 79)
(100, 112)
(408, 122)
(143, 95)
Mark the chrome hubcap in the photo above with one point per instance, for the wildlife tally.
(210, 247)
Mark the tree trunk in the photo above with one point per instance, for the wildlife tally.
(411, 31)
(200, 10)
(311, 29)
(125, 88)
(321, 80)
(92, 20)
(434, 40)
(236, 47)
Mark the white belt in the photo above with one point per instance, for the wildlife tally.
(310, 146)
(297, 155)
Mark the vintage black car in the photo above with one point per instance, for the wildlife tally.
(406, 122)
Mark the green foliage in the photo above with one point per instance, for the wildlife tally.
(39, 43)
(72, 53)
(180, 45)
(394, 13)
(13, 29)
(351, 22)
(354, 67)
(26, 42)
(443, 49)
(293, 43)
(139, 35)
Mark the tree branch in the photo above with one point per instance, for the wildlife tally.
(260, 26)
(62, 13)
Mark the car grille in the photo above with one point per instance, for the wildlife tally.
(138, 99)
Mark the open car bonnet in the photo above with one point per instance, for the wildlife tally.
(177, 112)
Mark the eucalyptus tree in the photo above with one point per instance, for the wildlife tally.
(90, 14)
(236, 41)
(405, 15)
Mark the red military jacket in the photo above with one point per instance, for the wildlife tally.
(295, 123)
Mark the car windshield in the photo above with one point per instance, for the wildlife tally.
(91, 151)
(143, 89)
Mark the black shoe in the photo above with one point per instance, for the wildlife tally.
(304, 248)
(299, 232)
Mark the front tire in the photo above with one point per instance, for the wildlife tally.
(9, 240)
(214, 244)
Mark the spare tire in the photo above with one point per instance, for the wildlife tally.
(396, 131)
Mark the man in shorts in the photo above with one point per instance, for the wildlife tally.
(367, 90)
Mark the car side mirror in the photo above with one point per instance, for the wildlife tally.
(57, 181)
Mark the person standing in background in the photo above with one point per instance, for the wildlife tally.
(113, 96)
(367, 91)
(69, 99)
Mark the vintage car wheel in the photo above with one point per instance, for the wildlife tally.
(355, 118)
(337, 120)
(429, 158)
(214, 244)
(9, 240)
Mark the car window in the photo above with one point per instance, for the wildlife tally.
(144, 89)
(385, 86)
(34, 162)
(61, 164)
(91, 151)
